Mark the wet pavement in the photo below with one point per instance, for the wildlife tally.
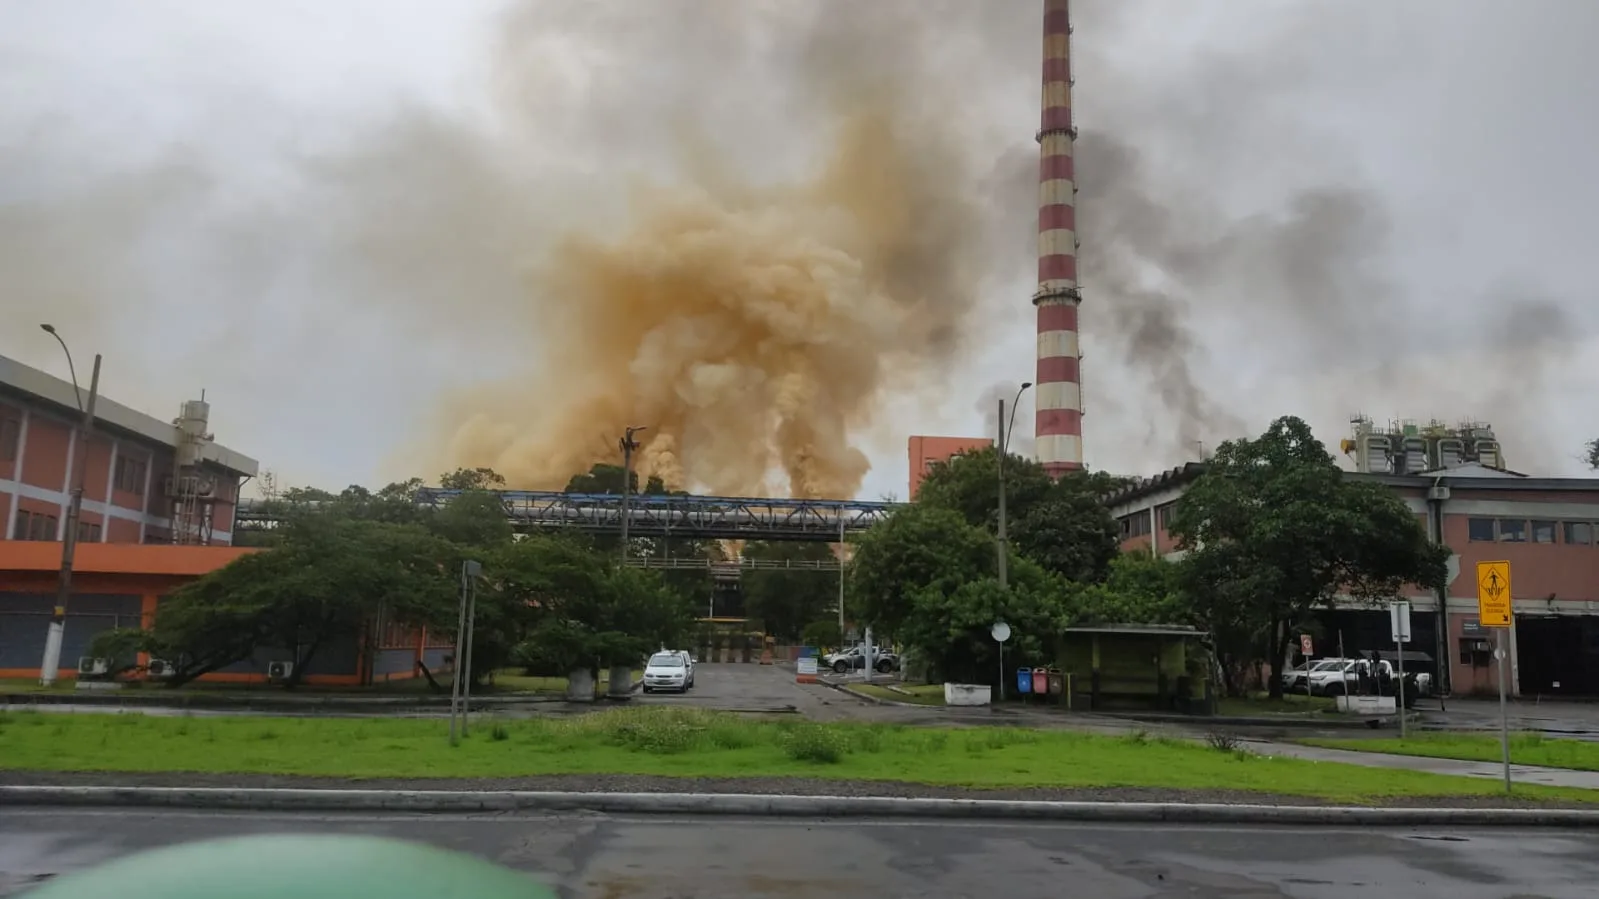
(584, 856)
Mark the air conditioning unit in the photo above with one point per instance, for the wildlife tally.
(1438, 493)
(90, 667)
(279, 670)
(159, 668)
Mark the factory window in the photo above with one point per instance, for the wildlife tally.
(1166, 514)
(10, 438)
(1543, 532)
(1480, 529)
(1579, 533)
(88, 532)
(1135, 525)
(1512, 530)
(35, 526)
(130, 475)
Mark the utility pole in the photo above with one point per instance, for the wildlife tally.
(628, 445)
(461, 686)
(50, 666)
(1002, 444)
(842, 552)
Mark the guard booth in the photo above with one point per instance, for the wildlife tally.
(1137, 667)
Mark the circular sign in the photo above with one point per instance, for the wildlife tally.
(1499, 654)
(1000, 632)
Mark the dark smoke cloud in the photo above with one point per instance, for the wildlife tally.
(1232, 244)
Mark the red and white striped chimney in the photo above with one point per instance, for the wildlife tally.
(1058, 429)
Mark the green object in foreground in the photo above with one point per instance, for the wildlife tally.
(284, 866)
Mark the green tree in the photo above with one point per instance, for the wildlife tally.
(1593, 454)
(1139, 589)
(916, 547)
(1060, 524)
(607, 478)
(968, 484)
(927, 578)
(786, 599)
(559, 604)
(475, 519)
(1070, 532)
(1274, 530)
(472, 479)
(328, 580)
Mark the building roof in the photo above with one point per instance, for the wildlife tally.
(1474, 476)
(41, 386)
(1173, 477)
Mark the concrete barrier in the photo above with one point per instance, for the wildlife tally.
(461, 801)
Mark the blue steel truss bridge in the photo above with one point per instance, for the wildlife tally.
(701, 517)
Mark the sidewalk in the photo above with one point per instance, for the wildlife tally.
(1521, 774)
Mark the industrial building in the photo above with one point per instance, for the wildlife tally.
(1454, 479)
(145, 479)
(925, 452)
(159, 510)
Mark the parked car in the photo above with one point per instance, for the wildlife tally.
(854, 659)
(1345, 677)
(688, 660)
(1294, 678)
(669, 670)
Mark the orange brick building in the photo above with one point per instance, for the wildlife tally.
(1545, 527)
(142, 534)
(925, 452)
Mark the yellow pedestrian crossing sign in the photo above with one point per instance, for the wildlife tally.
(1493, 594)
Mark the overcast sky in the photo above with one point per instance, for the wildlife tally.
(329, 217)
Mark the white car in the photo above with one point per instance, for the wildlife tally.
(669, 670)
(1294, 678)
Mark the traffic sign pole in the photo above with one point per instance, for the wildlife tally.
(1504, 715)
(1399, 618)
(1494, 610)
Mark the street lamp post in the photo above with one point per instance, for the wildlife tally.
(628, 446)
(50, 666)
(1003, 445)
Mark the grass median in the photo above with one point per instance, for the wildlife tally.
(693, 743)
(1525, 749)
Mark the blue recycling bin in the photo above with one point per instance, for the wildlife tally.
(1024, 680)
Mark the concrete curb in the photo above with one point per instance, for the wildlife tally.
(266, 703)
(1238, 720)
(428, 801)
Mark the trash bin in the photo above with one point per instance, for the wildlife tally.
(1057, 682)
(1024, 680)
(1041, 681)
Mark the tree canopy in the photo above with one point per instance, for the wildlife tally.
(1592, 457)
(785, 600)
(340, 565)
(928, 578)
(327, 579)
(1274, 529)
(1060, 524)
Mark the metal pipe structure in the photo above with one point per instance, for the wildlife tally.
(700, 517)
(1058, 432)
(50, 666)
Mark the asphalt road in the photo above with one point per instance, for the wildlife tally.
(712, 858)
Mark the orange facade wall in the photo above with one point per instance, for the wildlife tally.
(1538, 571)
(152, 571)
(925, 452)
(10, 440)
(44, 456)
